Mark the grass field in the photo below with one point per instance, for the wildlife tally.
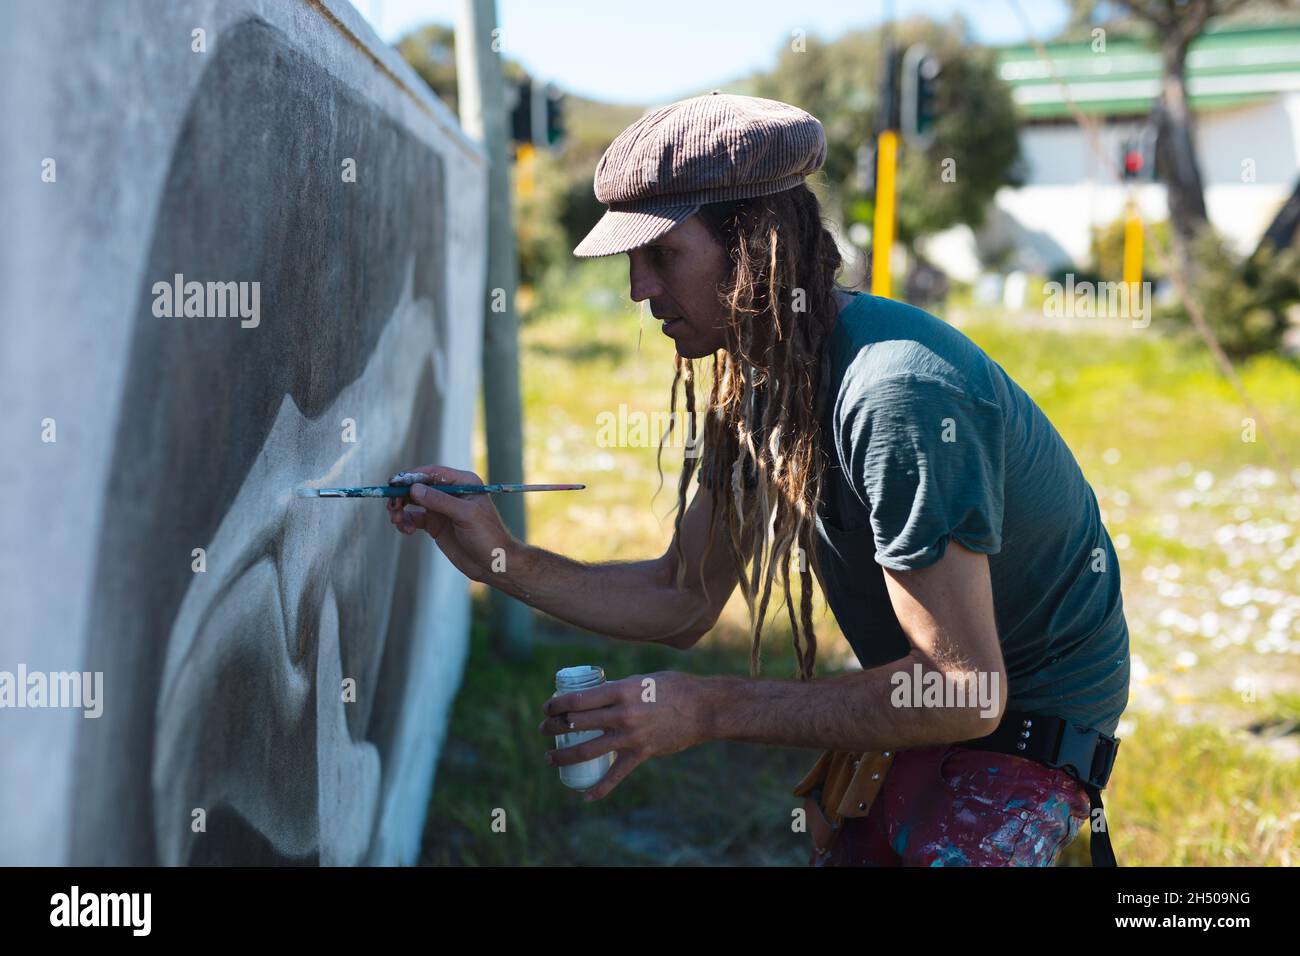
(1204, 521)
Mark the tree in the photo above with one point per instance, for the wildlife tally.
(537, 215)
(1282, 231)
(431, 52)
(1175, 25)
(953, 180)
(950, 182)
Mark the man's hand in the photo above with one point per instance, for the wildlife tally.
(468, 529)
(650, 715)
(947, 613)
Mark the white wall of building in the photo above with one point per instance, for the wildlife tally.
(1069, 192)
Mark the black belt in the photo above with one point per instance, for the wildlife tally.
(1085, 754)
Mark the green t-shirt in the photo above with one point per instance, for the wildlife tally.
(927, 439)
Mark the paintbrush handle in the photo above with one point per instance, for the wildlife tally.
(402, 491)
(496, 489)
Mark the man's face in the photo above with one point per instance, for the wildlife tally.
(681, 274)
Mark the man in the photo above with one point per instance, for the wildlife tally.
(954, 536)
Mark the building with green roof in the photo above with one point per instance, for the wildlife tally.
(1244, 87)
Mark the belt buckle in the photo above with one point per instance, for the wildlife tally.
(1109, 749)
(1076, 753)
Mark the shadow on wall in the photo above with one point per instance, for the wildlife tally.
(227, 682)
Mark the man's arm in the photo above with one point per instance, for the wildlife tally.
(636, 600)
(946, 610)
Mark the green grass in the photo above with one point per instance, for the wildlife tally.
(1204, 523)
(720, 803)
(1192, 796)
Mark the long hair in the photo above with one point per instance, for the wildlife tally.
(768, 395)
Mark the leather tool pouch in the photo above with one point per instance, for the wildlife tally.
(841, 784)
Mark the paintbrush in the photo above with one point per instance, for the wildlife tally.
(401, 491)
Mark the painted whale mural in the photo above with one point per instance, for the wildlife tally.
(277, 671)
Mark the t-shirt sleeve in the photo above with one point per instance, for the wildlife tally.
(928, 460)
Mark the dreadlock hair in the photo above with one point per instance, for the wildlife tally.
(768, 394)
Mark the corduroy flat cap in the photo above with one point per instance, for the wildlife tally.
(710, 148)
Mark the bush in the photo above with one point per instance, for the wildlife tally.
(1107, 251)
(1244, 299)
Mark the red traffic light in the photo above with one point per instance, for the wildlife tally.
(1133, 162)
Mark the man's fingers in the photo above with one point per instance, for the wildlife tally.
(605, 718)
(409, 522)
(434, 524)
(397, 518)
(442, 475)
(440, 502)
(624, 763)
(604, 695)
(587, 750)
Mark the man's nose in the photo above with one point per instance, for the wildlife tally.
(645, 284)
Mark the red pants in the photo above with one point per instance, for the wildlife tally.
(947, 806)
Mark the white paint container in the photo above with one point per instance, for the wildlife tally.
(581, 776)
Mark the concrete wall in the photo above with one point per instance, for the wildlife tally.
(222, 688)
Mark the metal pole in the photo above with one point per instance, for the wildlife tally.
(483, 116)
(882, 228)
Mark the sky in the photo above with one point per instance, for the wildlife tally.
(633, 51)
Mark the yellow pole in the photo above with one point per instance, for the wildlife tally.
(525, 166)
(1132, 252)
(882, 232)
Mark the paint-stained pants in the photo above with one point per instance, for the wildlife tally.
(947, 806)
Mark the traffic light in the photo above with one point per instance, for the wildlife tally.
(1137, 161)
(519, 98)
(1132, 161)
(536, 113)
(887, 111)
(919, 106)
(864, 169)
(554, 117)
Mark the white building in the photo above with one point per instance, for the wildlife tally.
(1244, 84)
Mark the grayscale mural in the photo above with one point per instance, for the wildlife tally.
(262, 264)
